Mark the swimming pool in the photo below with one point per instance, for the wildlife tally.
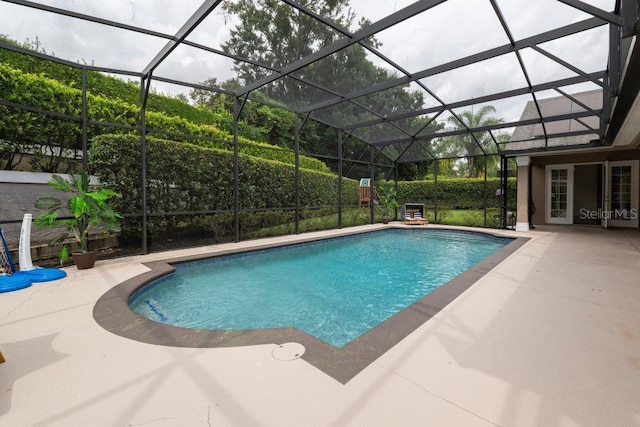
(335, 290)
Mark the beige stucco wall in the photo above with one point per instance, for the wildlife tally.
(522, 212)
(537, 193)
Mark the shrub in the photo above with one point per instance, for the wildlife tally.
(457, 193)
(47, 94)
(185, 177)
(128, 92)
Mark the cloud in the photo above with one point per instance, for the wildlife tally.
(449, 31)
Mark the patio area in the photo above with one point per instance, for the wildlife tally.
(549, 337)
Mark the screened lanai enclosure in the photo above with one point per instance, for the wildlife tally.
(230, 119)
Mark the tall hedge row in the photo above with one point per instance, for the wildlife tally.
(259, 122)
(185, 177)
(112, 88)
(48, 94)
(456, 193)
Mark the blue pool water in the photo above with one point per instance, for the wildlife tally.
(334, 289)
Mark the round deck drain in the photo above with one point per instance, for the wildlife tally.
(288, 351)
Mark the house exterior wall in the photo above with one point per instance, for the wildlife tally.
(540, 162)
(537, 192)
(522, 210)
(585, 157)
(587, 196)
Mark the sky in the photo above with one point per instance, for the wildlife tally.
(450, 31)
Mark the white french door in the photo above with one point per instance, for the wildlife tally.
(621, 200)
(559, 194)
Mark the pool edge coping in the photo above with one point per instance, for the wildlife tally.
(112, 312)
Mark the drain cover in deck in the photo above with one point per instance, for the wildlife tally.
(288, 351)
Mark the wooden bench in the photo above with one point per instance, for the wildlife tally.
(413, 214)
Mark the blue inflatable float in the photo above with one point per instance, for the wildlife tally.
(10, 283)
(12, 280)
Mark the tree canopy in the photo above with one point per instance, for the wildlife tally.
(471, 146)
(275, 34)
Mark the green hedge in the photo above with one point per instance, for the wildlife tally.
(185, 177)
(458, 193)
(258, 122)
(127, 91)
(48, 94)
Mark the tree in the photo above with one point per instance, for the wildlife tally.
(470, 146)
(275, 34)
(210, 99)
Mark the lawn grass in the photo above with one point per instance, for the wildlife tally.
(466, 217)
(354, 216)
(350, 217)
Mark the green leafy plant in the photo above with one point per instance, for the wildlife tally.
(186, 177)
(88, 208)
(457, 193)
(388, 199)
(35, 89)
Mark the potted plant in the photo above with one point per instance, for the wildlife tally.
(387, 200)
(88, 207)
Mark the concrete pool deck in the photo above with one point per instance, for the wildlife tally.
(549, 337)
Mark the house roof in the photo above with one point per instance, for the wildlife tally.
(571, 132)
